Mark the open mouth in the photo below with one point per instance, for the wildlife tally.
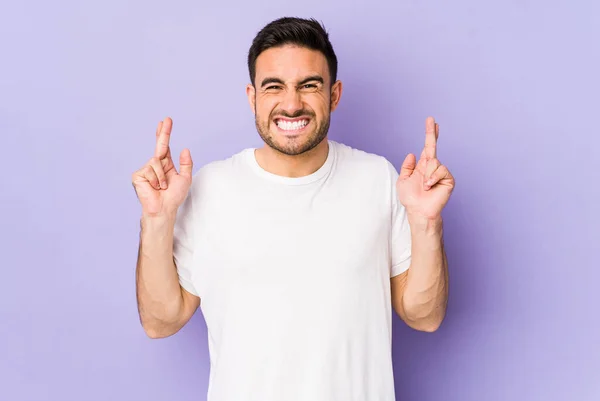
(291, 126)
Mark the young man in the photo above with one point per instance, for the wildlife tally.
(299, 250)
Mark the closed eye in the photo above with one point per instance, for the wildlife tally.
(310, 87)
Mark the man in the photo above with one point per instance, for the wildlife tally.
(298, 251)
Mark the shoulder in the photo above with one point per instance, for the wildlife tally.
(369, 177)
(222, 172)
(364, 164)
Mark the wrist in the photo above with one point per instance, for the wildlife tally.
(158, 220)
(420, 224)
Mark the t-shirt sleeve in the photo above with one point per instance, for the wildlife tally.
(183, 243)
(400, 236)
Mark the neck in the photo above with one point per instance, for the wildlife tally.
(284, 165)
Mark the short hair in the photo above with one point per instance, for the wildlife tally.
(308, 33)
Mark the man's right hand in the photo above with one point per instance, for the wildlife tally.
(158, 185)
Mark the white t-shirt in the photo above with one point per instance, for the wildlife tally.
(294, 276)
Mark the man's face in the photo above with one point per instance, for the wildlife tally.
(292, 98)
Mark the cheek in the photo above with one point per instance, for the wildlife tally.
(319, 104)
(264, 108)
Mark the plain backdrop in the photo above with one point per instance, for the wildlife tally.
(513, 84)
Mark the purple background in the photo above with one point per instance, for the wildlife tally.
(513, 84)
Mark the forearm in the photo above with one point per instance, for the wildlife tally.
(426, 292)
(159, 294)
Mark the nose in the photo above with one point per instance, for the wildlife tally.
(291, 102)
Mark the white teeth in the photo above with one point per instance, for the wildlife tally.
(289, 126)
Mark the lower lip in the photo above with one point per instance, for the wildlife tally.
(293, 132)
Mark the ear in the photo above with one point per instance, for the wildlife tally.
(251, 93)
(336, 94)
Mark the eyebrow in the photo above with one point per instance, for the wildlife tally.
(273, 80)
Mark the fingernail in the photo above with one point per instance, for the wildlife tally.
(163, 185)
(429, 182)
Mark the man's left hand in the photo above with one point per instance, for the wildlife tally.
(424, 187)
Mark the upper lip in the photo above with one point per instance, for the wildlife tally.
(290, 120)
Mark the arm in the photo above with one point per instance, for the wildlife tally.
(164, 306)
(420, 294)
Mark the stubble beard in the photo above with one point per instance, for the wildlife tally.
(293, 146)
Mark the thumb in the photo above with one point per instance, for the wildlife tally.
(185, 163)
(408, 166)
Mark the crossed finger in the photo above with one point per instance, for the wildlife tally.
(430, 168)
(163, 136)
(432, 130)
(440, 176)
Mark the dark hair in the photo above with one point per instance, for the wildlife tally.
(308, 33)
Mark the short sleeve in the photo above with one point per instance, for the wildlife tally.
(183, 243)
(400, 236)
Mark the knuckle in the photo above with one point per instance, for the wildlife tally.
(159, 171)
(149, 173)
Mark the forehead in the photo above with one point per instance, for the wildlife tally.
(290, 63)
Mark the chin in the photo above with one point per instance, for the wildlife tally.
(293, 137)
(291, 146)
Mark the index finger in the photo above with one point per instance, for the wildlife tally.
(431, 131)
(163, 137)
